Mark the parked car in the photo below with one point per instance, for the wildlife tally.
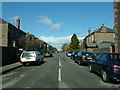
(31, 57)
(74, 54)
(69, 53)
(83, 57)
(48, 54)
(107, 65)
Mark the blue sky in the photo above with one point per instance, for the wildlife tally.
(55, 22)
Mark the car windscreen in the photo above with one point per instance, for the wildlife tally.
(114, 57)
(48, 52)
(70, 52)
(88, 54)
(76, 53)
(28, 54)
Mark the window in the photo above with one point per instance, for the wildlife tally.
(92, 38)
(103, 57)
(28, 54)
(79, 53)
(98, 56)
(114, 57)
(87, 54)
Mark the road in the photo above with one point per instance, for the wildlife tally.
(56, 72)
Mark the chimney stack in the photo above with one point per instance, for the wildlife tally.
(89, 31)
(18, 23)
(104, 28)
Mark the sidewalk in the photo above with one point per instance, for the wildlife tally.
(9, 67)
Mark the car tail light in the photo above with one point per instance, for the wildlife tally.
(116, 67)
(83, 57)
(20, 59)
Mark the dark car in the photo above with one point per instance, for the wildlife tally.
(84, 57)
(48, 54)
(73, 55)
(69, 53)
(107, 65)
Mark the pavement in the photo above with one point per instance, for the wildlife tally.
(10, 67)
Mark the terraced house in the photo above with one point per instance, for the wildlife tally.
(10, 33)
(13, 39)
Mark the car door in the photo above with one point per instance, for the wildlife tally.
(94, 62)
(40, 56)
(101, 63)
(79, 56)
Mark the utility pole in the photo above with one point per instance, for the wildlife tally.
(117, 25)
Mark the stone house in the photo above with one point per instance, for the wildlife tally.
(102, 36)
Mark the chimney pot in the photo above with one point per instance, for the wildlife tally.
(18, 23)
(89, 31)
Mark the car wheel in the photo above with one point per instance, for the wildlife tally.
(73, 58)
(104, 76)
(38, 62)
(24, 64)
(42, 60)
(90, 68)
(75, 61)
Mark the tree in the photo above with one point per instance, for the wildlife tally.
(74, 44)
(63, 46)
(28, 44)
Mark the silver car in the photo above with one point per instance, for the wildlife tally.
(31, 57)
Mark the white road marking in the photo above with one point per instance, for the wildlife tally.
(59, 75)
(59, 60)
(59, 64)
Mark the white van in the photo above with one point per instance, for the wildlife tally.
(31, 57)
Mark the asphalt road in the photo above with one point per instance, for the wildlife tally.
(56, 72)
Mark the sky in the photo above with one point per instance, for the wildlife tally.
(56, 22)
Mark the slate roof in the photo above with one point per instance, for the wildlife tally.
(91, 45)
(99, 30)
(103, 44)
(2, 21)
(108, 30)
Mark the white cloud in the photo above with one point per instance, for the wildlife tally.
(45, 20)
(57, 42)
(56, 26)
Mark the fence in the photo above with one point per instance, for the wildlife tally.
(9, 55)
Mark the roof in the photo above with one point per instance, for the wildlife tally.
(102, 44)
(99, 30)
(2, 21)
(104, 41)
(91, 45)
(108, 30)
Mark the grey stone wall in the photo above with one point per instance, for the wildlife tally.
(117, 25)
